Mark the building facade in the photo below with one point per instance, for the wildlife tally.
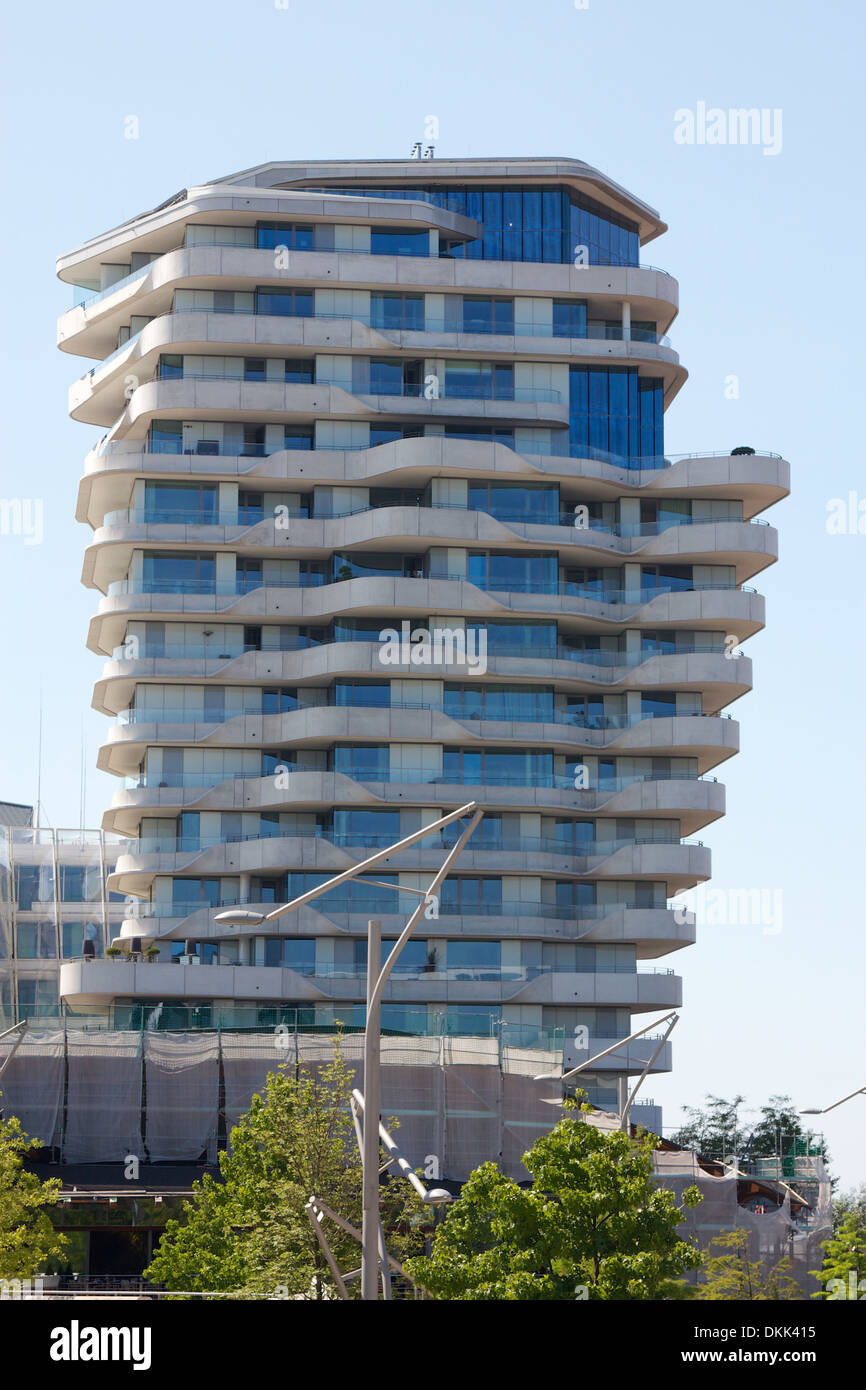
(54, 906)
(383, 522)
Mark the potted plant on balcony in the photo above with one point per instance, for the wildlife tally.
(113, 952)
(151, 953)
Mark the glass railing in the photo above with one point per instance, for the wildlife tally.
(183, 844)
(461, 392)
(254, 1017)
(180, 516)
(433, 973)
(223, 651)
(514, 714)
(242, 585)
(418, 775)
(112, 355)
(430, 323)
(596, 593)
(555, 448)
(95, 296)
(401, 904)
(248, 583)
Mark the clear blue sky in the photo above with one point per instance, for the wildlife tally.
(768, 251)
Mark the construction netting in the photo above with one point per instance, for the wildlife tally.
(792, 1230)
(99, 1097)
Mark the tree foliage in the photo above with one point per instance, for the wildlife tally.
(719, 1131)
(730, 1274)
(250, 1233)
(592, 1225)
(845, 1252)
(847, 1203)
(27, 1238)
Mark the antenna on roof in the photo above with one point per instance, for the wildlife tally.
(39, 763)
(416, 150)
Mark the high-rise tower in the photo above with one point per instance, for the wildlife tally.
(383, 522)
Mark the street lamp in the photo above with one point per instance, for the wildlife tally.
(21, 1029)
(372, 1243)
(624, 1100)
(817, 1110)
(245, 917)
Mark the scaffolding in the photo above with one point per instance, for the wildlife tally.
(174, 1097)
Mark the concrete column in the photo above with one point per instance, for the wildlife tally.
(626, 321)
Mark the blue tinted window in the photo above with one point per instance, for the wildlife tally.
(376, 694)
(360, 825)
(616, 415)
(298, 437)
(569, 318)
(285, 302)
(166, 437)
(294, 954)
(397, 311)
(468, 955)
(525, 223)
(399, 241)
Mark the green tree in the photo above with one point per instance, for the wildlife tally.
(847, 1203)
(777, 1129)
(27, 1238)
(845, 1255)
(717, 1130)
(713, 1131)
(592, 1225)
(250, 1233)
(730, 1274)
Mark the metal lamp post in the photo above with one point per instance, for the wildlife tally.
(377, 978)
(20, 1029)
(624, 1100)
(817, 1110)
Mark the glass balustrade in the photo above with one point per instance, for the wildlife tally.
(172, 844)
(361, 773)
(400, 904)
(556, 447)
(234, 517)
(555, 588)
(513, 715)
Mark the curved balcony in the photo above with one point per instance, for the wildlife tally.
(561, 523)
(88, 983)
(395, 600)
(100, 392)
(748, 546)
(209, 396)
(679, 865)
(756, 480)
(708, 737)
(91, 329)
(653, 931)
(329, 724)
(693, 802)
